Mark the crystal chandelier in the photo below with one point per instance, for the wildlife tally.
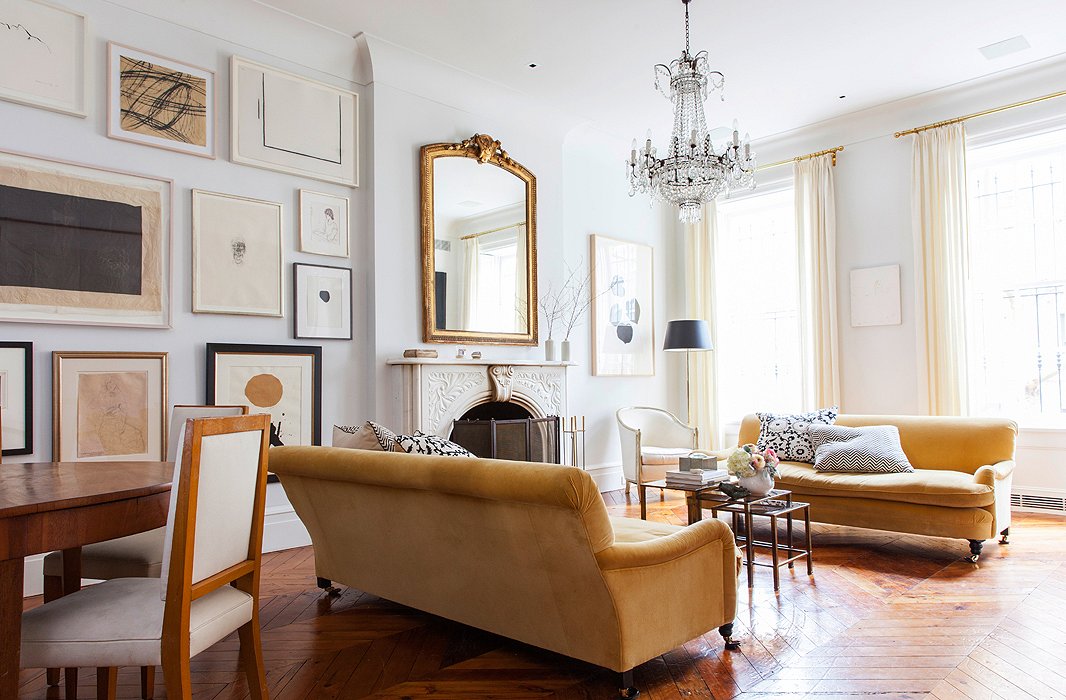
(693, 171)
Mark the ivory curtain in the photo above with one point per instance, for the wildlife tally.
(938, 208)
(816, 231)
(471, 257)
(699, 303)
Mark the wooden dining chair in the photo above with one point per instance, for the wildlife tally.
(135, 556)
(209, 583)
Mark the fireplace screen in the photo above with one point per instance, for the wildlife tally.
(524, 439)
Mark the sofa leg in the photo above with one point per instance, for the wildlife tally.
(727, 634)
(326, 585)
(1005, 539)
(975, 550)
(626, 689)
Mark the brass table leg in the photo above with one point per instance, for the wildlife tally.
(642, 491)
(807, 528)
(788, 526)
(749, 547)
(774, 550)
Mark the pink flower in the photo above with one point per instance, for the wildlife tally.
(758, 461)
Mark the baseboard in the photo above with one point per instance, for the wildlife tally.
(608, 477)
(281, 530)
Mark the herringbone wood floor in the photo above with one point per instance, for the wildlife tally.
(886, 615)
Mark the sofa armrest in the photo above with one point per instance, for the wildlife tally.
(991, 473)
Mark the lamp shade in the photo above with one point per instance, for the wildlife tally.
(688, 334)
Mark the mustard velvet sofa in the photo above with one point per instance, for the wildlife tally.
(523, 550)
(960, 487)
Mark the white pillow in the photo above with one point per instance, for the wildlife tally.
(873, 449)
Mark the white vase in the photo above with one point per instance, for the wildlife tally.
(549, 350)
(759, 485)
(564, 351)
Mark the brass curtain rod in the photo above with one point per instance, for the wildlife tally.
(495, 230)
(994, 110)
(826, 152)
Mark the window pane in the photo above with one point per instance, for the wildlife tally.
(757, 295)
(1017, 314)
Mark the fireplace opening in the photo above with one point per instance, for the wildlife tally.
(502, 430)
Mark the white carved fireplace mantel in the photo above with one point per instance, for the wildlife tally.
(437, 391)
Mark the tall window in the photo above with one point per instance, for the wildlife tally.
(757, 296)
(1017, 314)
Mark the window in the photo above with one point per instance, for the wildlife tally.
(757, 296)
(496, 274)
(1017, 293)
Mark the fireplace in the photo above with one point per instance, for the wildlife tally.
(506, 430)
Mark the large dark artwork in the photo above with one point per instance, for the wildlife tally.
(59, 241)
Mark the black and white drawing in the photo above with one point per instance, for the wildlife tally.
(323, 224)
(322, 301)
(48, 45)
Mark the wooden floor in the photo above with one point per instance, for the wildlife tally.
(885, 615)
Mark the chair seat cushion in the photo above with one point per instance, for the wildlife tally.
(136, 556)
(634, 530)
(937, 487)
(663, 455)
(120, 623)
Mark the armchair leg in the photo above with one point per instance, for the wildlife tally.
(627, 488)
(975, 550)
(326, 585)
(147, 682)
(727, 634)
(626, 690)
(1005, 539)
(106, 683)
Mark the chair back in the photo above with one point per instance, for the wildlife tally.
(183, 412)
(215, 526)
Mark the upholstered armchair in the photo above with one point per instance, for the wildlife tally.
(653, 440)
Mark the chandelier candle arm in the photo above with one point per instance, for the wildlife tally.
(692, 172)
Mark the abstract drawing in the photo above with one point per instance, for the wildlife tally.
(623, 321)
(109, 406)
(281, 121)
(322, 301)
(83, 245)
(48, 45)
(282, 380)
(323, 224)
(236, 255)
(159, 102)
(16, 397)
(112, 414)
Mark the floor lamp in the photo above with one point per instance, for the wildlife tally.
(688, 334)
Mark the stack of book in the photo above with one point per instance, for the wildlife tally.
(696, 478)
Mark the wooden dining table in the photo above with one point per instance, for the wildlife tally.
(49, 506)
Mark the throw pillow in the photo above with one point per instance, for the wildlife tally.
(424, 444)
(368, 436)
(786, 434)
(870, 450)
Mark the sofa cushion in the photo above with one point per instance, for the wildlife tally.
(937, 487)
(425, 444)
(786, 434)
(634, 530)
(874, 449)
(662, 455)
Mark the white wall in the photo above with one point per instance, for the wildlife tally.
(879, 365)
(260, 34)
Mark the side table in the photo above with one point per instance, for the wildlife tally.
(776, 504)
(692, 494)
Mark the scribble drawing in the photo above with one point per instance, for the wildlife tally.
(22, 30)
(112, 414)
(325, 226)
(162, 102)
(239, 248)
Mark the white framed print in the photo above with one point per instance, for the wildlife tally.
(157, 101)
(285, 122)
(875, 297)
(623, 308)
(322, 301)
(323, 224)
(236, 252)
(46, 46)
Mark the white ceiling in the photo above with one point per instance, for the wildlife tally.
(786, 62)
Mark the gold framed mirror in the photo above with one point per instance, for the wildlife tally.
(479, 245)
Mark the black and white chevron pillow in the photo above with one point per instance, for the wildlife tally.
(425, 444)
(786, 434)
(871, 450)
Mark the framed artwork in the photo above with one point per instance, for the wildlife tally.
(236, 252)
(80, 244)
(160, 102)
(48, 44)
(323, 224)
(109, 406)
(281, 121)
(16, 398)
(623, 308)
(322, 301)
(875, 299)
(282, 380)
